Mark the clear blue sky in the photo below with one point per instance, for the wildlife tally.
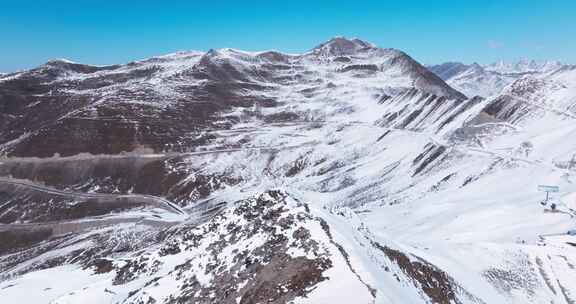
(107, 32)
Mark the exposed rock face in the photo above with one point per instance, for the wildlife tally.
(258, 251)
(157, 181)
(264, 249)
(340, 46)
(165, 103)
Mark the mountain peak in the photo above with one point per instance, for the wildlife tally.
(60, 61)
(339, 46)
(476, 68)
(523, 66)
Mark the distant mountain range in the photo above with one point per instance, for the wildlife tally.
(488, 80)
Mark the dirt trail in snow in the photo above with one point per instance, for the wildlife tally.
(142, 198)
(153, 155)
(61, 228)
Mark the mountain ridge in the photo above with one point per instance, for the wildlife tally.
(237, 177)
(490, 79)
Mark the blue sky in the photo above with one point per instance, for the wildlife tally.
(107, 32)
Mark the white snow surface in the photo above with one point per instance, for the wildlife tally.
(422, 175)
(489, 80)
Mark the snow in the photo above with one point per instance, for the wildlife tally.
(57, 285)
(63, 60)
(474, 211)
(341, 286)
(491, 79)
(523, 66)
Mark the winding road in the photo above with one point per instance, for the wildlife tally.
(147, 199)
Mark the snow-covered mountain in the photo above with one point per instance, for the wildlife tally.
(347, 174)
(489, 80)
(523, 66)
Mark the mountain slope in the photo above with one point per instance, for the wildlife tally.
(345, 174)
(167, 101)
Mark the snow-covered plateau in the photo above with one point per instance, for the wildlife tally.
(347, 174)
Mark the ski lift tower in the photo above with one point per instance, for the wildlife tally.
(548, 189)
